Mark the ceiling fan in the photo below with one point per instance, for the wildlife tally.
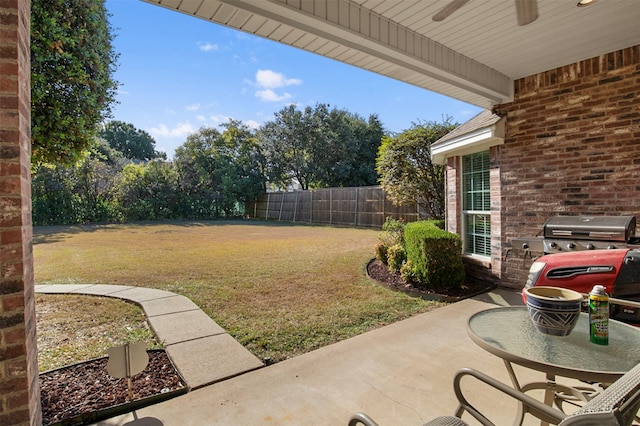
(526, 10)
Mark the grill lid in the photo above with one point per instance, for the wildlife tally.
(598, 228)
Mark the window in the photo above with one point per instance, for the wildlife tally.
(476, 208)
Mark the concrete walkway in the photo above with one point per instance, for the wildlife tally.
(200, 349)
(400, 374)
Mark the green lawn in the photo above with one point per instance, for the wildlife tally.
(280, 290)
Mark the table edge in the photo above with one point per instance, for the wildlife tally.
(554, 369)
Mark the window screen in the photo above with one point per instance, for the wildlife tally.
(476, 203)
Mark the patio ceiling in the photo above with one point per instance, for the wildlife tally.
(473, 55)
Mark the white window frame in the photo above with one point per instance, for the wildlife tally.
(471, 213)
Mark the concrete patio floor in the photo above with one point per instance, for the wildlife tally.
(399, 374)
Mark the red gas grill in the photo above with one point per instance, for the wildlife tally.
(580, 252)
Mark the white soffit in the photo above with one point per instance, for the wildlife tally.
(473, 55)
(478, 134)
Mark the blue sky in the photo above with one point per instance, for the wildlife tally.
(178, 73)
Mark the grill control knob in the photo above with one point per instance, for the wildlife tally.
(553, 245)
(590, 246)
(610, 247)
(571, 246)
(525, 246)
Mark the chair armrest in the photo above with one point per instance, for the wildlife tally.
(361, 418)
(535, 407)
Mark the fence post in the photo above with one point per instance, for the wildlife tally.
(295, 208)
(384, 204)
(356, 209)
(281, 203)
(266, 214)
(330, 206)
(311, 207)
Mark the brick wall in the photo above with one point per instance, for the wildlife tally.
(572, 146)
(19, 387)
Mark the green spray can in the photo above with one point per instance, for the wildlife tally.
(599, 315)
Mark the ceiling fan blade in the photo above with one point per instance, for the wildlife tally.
(527, 11)
(444, 13)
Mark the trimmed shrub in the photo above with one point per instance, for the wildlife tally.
(438, 222)
(396, 257)
(435, 256)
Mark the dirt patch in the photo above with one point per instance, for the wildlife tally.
(380, 273)
(83, 393)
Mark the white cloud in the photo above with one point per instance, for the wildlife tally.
(267, 80)
(252, 124)
(270, 79)
(181, 129)
(220, 118)
(208, 47)
(269, 95)
(193, 107)
(201, 118)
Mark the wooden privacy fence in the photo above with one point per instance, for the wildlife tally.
(366, 207)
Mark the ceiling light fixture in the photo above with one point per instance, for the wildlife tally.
(584, 3)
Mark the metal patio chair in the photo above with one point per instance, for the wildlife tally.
(617, 405)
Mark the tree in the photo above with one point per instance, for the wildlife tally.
(218, 172)
(134, 144)
(285, 142)
(349, 159)
(318, 147)
(149, 191)
(82, 192)
(406, 171)
(72, 88)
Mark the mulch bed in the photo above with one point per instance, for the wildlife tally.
(84, 393)
(379, 272)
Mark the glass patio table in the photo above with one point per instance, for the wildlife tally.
(509, 333)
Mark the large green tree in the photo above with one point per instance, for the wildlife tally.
(72, 85)
(320, 147)
(149, 192)
(348, 157)
(133, 143)
(219, 171)
(406, 171)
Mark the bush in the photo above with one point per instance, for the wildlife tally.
(408, 272)
(381, 251)
(435, 256)
(396, 257)
(392, 235)
(438, 222)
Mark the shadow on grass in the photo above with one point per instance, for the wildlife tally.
(57, 233)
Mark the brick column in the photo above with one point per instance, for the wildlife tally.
(453, 196)
(19, 386)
